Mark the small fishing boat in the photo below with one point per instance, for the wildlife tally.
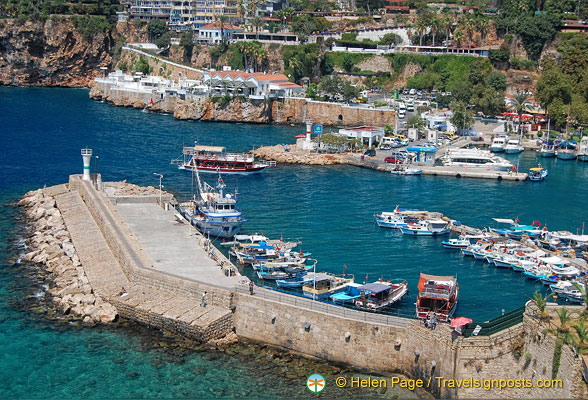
(214, 159)
(547, 149)
(438, 295)
(349, 295)
(321, 285)
(427, 228)
(398, 218)
(215, 213)
(514, 146)
(405, 170)
(537, 174)
(290, 283)
(456, 243)
(583, 149)
(562, 287)
(567, 150)
(379, 295)
(498, 144)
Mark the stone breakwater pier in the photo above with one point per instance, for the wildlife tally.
(289, 154)
(121, 237)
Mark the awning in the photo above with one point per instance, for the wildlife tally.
(554, 260)
(212, 149)
(375, 287)
(447, 280)
(504, 220)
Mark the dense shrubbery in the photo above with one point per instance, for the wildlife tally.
(89, 26)
(41, 9)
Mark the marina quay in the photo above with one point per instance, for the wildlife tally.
(293, 199)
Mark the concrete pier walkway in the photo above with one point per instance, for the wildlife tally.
(174, 247)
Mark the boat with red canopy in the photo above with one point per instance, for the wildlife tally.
(437, 295)
(215, 159)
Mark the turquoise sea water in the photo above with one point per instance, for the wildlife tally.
(330, 209)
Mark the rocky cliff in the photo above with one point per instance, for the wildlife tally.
(51, 53)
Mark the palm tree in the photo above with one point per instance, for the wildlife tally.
(484, 27)
(447, 22)
(458, 36)
(581, 344)
(434, 24)
(541, 303)
(469, 28)
(519, 105)
(257, 23)
(222, 19)
(421, 28)
(584, 290)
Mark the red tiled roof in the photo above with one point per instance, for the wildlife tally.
(217, 25)
(398, 7)
(259, 76)
(274, 19)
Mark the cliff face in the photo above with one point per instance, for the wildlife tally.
(51, 54)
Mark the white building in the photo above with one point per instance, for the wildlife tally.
(368, 135)
(213, 34)
(258, 85)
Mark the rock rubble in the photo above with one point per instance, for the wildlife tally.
(51, 246)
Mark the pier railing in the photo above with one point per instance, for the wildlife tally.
(327, 308)
(495, 325)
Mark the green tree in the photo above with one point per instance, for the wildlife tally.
(462, 118)
(164, 41)
(563, 336)
(156, 28)
(349, 91)
(416, 122)
(187, 42)
(348, 62)
(496, 81)
(536, 31)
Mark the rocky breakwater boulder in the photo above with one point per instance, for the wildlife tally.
(290, 155)
(130, 189)
(51, 246)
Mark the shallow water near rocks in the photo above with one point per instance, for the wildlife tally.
(330, 209)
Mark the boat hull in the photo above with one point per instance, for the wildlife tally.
(495, 149)
(414, 232)
(225, 171)
(391, 225)
(583, 157)
(547, 154)
(566, 156)
(513, 151)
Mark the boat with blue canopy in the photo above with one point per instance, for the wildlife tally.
(376, 296)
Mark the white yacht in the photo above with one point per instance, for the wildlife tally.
(583, 149)
(514, 146)
(498, 144)
(475, 158)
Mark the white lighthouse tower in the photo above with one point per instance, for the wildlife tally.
(87, 156)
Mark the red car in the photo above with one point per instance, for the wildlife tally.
(394, 160)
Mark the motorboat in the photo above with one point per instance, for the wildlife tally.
(379, 295)
(456, 243)
(427, 228)
(475, 159)
(537, 174)
(404, 170)
(567, 150)
(583, 149)
(514, 146)
(215, 159)
(437, 295)
(498, 144)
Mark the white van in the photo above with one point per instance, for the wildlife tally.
(401, 107)
(401, 114)
(412, 92)
(410, 107)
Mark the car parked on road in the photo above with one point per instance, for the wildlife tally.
(394, 160)
(370, 153)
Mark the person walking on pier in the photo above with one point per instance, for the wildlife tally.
(251, 287)
(203, 304)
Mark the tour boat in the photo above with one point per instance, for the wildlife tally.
(514, 147)
(214, 159)
(475, 159)
(567, 150)
(547, 149)
(216, 213)
(537, 174)
(379, 295)
(427, 228)
(404, 170)
(348, 295)
(583, 149)
(437, 295)
(498, 144)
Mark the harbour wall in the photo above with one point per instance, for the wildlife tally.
(283, 111)
(111, 256)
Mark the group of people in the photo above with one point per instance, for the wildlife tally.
(431, 321)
